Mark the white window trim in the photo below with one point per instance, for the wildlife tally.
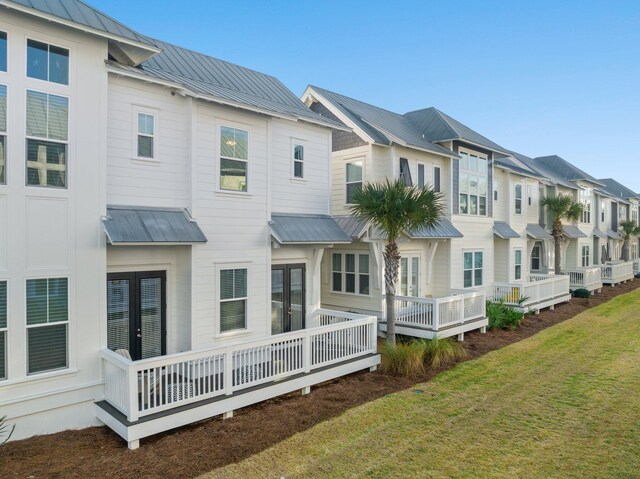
(515, 264)
(433, 183)
(424, 175)
(468, 171)
(473, 268)
(137, 110)
(70, 363)
(2, 72)
(539, 258)
(587, 256)
(236, 332)
(5, 330)
(4, 133)
(516, 199)
(346, 162)
(218, 157)
(303, 143)
(50, 84)
(356, 272)
(585, 197)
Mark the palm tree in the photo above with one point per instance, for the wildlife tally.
(393, 208)
(628, 229)
(561, 207)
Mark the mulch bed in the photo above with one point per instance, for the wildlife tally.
(192, 450)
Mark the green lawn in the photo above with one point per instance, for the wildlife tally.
(562, 404)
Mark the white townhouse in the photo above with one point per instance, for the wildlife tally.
(163, 219)
(444, 271)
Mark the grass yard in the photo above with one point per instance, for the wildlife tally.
(564, 403)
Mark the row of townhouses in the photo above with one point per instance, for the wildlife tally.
(176, 240)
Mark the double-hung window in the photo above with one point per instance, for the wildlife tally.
(3, 330)
(298, 161)
(634, 250)
(47, 139)
(353, 179)
(585, 199)
(3, 52)
(47, 324)
(3, 134)
(233, 299)
(350, 273)
(517, 264)
(146, 136)
(473, 266)
(473, 184)
(234, 159)
(518, 199)
(47, 62)
(585, 256)
(536, 254)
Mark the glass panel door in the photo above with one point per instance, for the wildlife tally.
(287, 298)
(277, 301)
(118, 315)
(296, 297)
(410, 276)
(151, 317)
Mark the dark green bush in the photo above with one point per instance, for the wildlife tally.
(581, 293)
(502, 316)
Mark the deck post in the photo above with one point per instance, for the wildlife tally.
(483, 329)
(373, 368)
(132, 376)
(305, 390)
(461, 337)
(228, 371)
(133, 445)
(306, 344)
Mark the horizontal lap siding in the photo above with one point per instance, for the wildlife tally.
(338, 176)
(478, 235)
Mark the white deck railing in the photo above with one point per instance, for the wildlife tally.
(613, 273)
(141, 388)
(587, 278)
(438, 313)
(541, 289)
(324, 317)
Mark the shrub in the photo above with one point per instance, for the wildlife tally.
(581, 293)
(5, 430)
(502, 316)
(440, 352)
(404, 359)
(637, 275)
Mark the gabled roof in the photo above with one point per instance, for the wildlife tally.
(561, 168)
(437, 126)
(382, 126)
(617, 189)
(544, 172)
(306, 229)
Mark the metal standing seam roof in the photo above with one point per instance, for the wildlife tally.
(572, 232)
(514, 165)
(599, 234)
(306, 228)
(613, 234)
(563, 169)
(504, 231)
(442, 229)
(617, 189)
(131, 224)
(352, 226)
(536, 231)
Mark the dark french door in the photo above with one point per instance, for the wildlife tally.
(287, 298)
(136, 313)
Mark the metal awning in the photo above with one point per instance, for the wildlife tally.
(613, 235)
(306, 229)
(504, 231)
(536, 231)
(599, 234)
(442, 229)
(572, 232)
(137, 225)
(351, 225)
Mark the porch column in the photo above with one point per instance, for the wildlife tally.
(316, 277)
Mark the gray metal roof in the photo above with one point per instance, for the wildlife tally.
(536, 231)
(442, 229)
(515, 165)
(354, 227)
(503, 230)
(438, 126)
(613, 234)
(572, 232)
(81, 13)
(383, 126)
(544, 172)
(617, 189)
(563, 169)
(132, 224)
(599, 234)
(310, 229)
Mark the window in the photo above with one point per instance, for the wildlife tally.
(47, 119)
(529, 195)
(353, 179)
(3, 330)
(634, 213)
(473, 184)
(496, 188)
(146, 136)
(603, 210)
(47, 62)
(233, 299)
(350, 273)
(298, 161)
(436, 178)
(585, 256)
(421, 179)
(3, 52)
(536, 254)
(234, 159)
(634, 251)
(517, 263)
(472, 269)
(47, 322)
(584, 196)
(518, 199)
(3, 134)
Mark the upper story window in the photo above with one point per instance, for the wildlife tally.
(353, 179)
(473, 266)
(233, 299)
(496, 190)
(584, 196)
(518, 199)
(234, 159)
(585, 256)
(146, 136)
(436, 178)
(473, 184)
(350, 273)
(634, 214)
(517, 263)
(529, 195)
(47, 135)
(3, 134)
(3, 52)
(421, 178)
(47, 62)
(3, 330)
(298, 161)
(603, 211)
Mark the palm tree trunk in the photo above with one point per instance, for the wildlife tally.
(391, 266)
(625, 250)
(557, 264)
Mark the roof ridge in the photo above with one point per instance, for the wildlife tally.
(355, 99)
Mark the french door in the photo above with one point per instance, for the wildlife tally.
(287, 298)
(136, 313)
(410, 275)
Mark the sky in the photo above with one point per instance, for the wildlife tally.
(538, 77)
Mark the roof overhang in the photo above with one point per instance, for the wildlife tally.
(504, 231)
(537, 232)
(599, 234)
(572, 232)
(306, 229)
(613, 235)
(443, 229)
